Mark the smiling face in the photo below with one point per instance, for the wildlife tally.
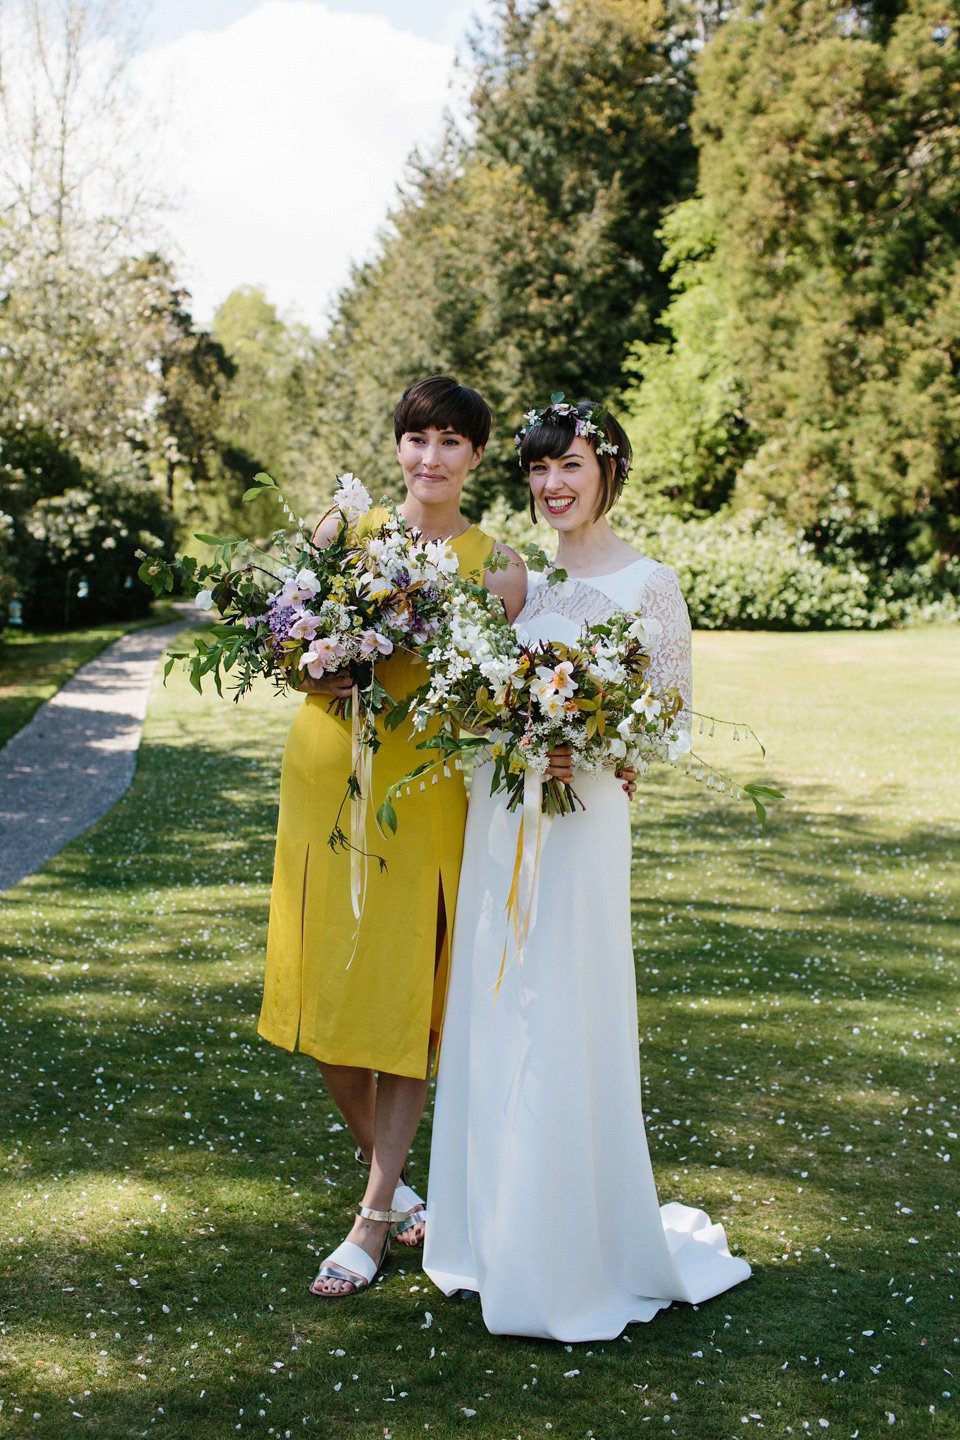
(566, 490)
(435, 463)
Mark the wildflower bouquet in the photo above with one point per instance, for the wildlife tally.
(299, 609)
(517, 701)
(500, 698)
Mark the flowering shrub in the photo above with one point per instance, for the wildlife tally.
(745, 573)
(78, 561)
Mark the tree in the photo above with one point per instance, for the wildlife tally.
(686, 419)
(829, 167)
(269, 409)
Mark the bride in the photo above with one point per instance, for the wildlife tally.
(541, 1193)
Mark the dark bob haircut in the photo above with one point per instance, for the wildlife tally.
(442, 403)
(551, 439)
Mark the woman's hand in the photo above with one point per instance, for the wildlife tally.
(337, 684)
(628, 775)
(561, 764)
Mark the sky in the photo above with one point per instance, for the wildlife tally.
(284, 126)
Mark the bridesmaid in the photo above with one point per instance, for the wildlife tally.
(370, 1022)
(542, 1195)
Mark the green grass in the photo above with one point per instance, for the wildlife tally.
(34, 664)
(169, 1181)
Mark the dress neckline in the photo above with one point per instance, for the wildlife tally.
(607, 574)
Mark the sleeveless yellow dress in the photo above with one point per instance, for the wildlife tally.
(383, 1008)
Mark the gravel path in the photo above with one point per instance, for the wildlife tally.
(76, 757)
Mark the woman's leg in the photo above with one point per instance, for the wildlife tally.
(354, 1093)
(399, 1105)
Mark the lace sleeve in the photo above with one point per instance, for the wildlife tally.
(671, 663)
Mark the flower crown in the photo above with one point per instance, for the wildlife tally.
(560, 409)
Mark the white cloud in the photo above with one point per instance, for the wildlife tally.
(289, 134)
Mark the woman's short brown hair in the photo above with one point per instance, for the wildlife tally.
(444, 404)
(552, 436)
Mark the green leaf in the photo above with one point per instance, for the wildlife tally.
(759, 793)
(214, 540)
(386, 815)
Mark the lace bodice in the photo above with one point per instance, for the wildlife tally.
(645, 588)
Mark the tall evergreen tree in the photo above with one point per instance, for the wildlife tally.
(829, 165)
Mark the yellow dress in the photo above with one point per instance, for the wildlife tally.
(383, 1008)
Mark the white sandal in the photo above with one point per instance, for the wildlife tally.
(351, 1263)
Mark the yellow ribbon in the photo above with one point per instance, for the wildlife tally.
(521, 906)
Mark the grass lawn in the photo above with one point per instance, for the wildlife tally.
(169, 1181)
(34, 664)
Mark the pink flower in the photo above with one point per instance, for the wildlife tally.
(304, 627)
(323, 656)
(372, 640)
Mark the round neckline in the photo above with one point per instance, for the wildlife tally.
(452, 539)
(608, 573)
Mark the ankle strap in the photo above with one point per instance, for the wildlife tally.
(387, 1217)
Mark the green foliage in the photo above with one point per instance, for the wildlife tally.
(76, 551)
(268, 410)
(757, 572)
(813, 346)
(830, 163)
(685, 417)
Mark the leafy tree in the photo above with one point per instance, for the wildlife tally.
(269, 409)
(829, 169)
(686, 420)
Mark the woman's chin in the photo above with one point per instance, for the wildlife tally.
(559, 520)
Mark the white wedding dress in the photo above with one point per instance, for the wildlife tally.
(541, 1194)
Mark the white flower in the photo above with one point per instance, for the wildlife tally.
(307, 583)
(204, 601)
(558, 679)
(352, 499)
(644, 630)
(551, 702)
(625, 729)
(441, 557)
(648, 705)
(616, 749)
(678, 745)
(373, 586)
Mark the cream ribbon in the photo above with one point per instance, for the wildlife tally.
(362, 766)
(521, 906)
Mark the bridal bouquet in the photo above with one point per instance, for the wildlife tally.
(500, 698)
(517, 701)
